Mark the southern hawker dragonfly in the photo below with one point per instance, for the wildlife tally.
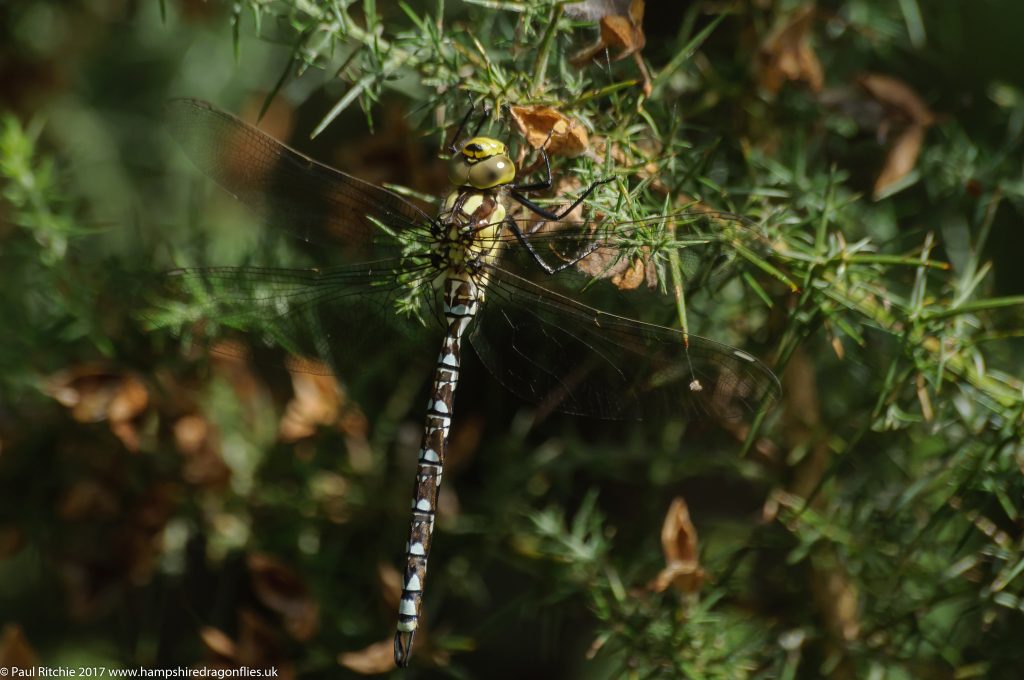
(477, 271)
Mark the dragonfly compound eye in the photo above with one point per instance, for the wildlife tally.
(492, 172)
(458, 171)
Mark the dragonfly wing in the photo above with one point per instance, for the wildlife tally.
(706, 242)
(552, 350)
(288, 189)
(327, 320)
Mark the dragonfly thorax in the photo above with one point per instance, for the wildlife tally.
(481, 163)
(469, 224)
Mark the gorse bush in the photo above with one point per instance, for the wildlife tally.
(188, 509)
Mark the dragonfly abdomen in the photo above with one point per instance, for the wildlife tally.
(461, 301)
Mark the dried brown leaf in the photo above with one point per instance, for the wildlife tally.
(199, 444)
(356, 428)
(373, 660)
(129, 400)
(631, 278)
(218, 642)
(904, 110)
(12, 540)
(191, 433)
(283, 590)
(390, 584)
(838, 598)
(604, 263)
(543, 126)
(354, 422)
(901, 159)
(621, 32)
(679, 544)
(329, 489)
(787, 54)
(258, 644)
(156, 506)
(898, 96)
(95, 393)
(927, 412)
(625, 274)
(464, 442)
(316, 402)
(621, 25)
(88, 499)
(837, 347)
(639, 271)
(128, 433)
(15, 650)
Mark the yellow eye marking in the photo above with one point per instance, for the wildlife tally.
(480, 148)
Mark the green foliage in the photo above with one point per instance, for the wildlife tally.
(868, 527)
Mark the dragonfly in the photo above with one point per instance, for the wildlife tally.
(477, 268)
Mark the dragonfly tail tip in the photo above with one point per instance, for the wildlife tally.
(403, 647)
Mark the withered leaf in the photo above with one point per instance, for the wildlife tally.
(15, 650)
(390, 584)
(787, 54)
(679, 544)
(640, 271)
(316, 402)
(543, 126)
(624, 273)
(218, 642)
(12, 539)
(901, 158)
(95, 393)
(283, 590)
(839, 599)
(258, 644)
(631, 278)
(905, 110)
(897, 96)
(199, 444)
(603, 263)
(621, 24)
(373, 660)
(329, 489)
(88, 499)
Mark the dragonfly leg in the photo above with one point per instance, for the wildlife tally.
(453, 147)
(524, 240)
(544, 183)
(553, 216)
(453, 144)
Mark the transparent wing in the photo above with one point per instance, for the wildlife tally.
(552, 350)
(289, 190)
(708, 244)
(329, 321)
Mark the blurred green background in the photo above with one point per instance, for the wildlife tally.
(163, 508)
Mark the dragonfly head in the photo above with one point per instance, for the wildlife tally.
(481, 163)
